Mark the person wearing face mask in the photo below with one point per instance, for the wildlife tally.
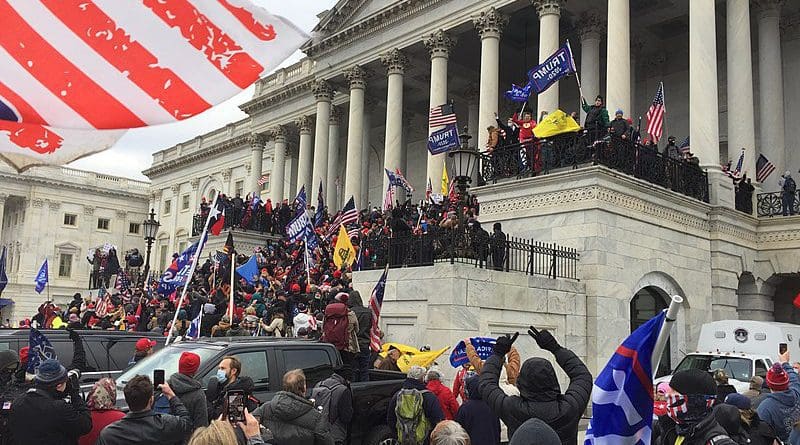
(12, 385)
(43, 416)
(690, 418)
(229, 377)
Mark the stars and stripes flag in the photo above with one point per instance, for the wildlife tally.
(428, 191)
(388, 197)
(736, 172)
(348, 215)
(655, 115)
(441, 116)
(684, 147)
(263, 180)
(764, 168)
(375, 303)
(77, 73)
(123, 281)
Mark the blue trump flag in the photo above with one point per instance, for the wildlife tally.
(194, 327)
(483, 347)
(249, 269)
(440, 141)
(177, 274)
(559, 65)
(42, 277)
(519, 94)
(622, 397)
(3, 276)
(40, 350)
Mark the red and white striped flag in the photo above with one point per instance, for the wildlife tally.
(71, 65)
(655, 115)
(375, 304)
(441, 116)
(388, 198)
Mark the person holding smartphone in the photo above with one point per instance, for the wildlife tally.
(781, 408)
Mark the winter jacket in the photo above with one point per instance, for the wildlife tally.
(447, 400)
(723, 391)
(294, 420)
(341, 405)
(664, 433)
(620, 127)
(596, 117)
(364, 317)
(215, 395)
(781, 410)
(540, 395)
(352, 333)
(756, 433)
(191, 394)
(147, 427)
(39, 417)
(100, 419)
(477, 418)
(430, 405)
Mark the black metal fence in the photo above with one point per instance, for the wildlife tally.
(260, 222)
(771, 204)
(574, 149)
(457, 246)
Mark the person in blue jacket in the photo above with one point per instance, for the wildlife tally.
(781, 408)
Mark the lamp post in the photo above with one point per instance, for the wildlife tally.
(463, 161)
(149, 228)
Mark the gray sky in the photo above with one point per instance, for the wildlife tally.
(133, 153)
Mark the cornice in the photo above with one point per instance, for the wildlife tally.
(44, 181)
(261, 103)
(208, 152)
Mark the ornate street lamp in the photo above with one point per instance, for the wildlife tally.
(149, 228)
(462, 163)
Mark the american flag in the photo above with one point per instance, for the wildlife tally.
(72, 67)
(441, 116)
(684, 147)
(388, 198)
(123, 282)
(348, 215)
(428, 191)
(263, 180)
(655, 115)
(354, 232)
(734, 174)
(375, 303)
(764, 168)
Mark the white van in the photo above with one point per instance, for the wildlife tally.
(742, 348)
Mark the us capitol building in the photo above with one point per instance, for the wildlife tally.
(359, 101)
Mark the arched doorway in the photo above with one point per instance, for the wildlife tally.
(648, 302)
(786, 288)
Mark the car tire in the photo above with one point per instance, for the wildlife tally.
(380, 435)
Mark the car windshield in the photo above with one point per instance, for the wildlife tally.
(736, 367)
(166, 359)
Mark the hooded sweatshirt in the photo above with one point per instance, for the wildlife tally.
(535, 432)
(781, 410)
(364, 317)
(190, 391)
(293, 420)
(477, 418)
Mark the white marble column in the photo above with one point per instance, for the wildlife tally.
(490, 26)
(331, 196)
(366, 147)
(549, 12)
(770, 89)
(305, 157)
(438, 44)
(741, 116)
(291, 169)
(278, 177)
(355, 135)
(323, 93)
(618, 69)
(257, 142)
(3, 198)
(395, 62)
(592, 28)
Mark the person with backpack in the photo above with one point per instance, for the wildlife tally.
(340, 328)
(414, 410)
(335, 398)
(789, 190)
(364, 317)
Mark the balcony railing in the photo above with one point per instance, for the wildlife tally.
(573, 150)
(260, 223)
(771, 204)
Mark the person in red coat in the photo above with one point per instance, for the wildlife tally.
(446, 398)
(100, 402)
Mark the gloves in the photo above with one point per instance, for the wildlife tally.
(73, 335)
(503, 344)
(544, 339)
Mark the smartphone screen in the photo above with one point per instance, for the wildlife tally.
(234, 406)
(158, 377)
(782, 348)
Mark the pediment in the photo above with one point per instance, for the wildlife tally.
(348, 12)
(67, 247)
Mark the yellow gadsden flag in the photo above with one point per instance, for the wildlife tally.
(445, 181)
(343, 253)
(411, 356)
(554, 124)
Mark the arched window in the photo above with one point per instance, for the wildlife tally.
(645, 305)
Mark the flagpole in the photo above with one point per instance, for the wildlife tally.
(577, 76)
(663, 335)
(308, 271)
(233, 284)
(191, 270)
(663, 99)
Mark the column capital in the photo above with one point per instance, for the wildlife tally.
(335, 118)
(305, 124)
(256, 140)
(176, 188)
(439, 44)
(357, 75)
(195, 183)
(768, 8)
(322, 90)
(278, 133)
(490, 23)
(548, 7)
(395, 61)
(591, 25)
(226, 174)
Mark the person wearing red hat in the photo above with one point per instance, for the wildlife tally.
(781, 408)
(144, 347)
(189, 389)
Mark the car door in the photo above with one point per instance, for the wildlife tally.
(315, 360)
(256, 365)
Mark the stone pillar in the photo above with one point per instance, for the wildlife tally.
(331, 196)
(3, 198)
(741, 116)
(369, 107)
(194, 199)
(355, 135)
(304, 158)
(591, 28)
(490, 26)
(277, 177)
(291, 169)
(549, 12)
(257, 142)
(395, 62)
(618, 69)
(323, 93)
(438, 44)
(770, 89)
(754, 303)
(478, 137)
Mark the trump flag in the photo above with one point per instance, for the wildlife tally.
(622, 396)
(69, 65)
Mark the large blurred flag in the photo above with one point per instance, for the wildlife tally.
(554, 124)
(375, 304)
(343, 253)
(42, 277)
(177, 274)
(71, 65)
(622, 397)
(194, 327)
(40, 349)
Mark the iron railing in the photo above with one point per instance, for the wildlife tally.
(458, 246)
(575, 149)
(260, 222)
(771, 204)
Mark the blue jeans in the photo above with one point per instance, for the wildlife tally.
(363, 359)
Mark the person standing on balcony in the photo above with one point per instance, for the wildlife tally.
(510, 129)
(619, 127)
(497, 243)
(788, 191)
(597, 120)
(671, 150)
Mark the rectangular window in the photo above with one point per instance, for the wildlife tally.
(163, 257)
(103, 223)
(65, 265)
(185, 202)
(70, 219)
(265, 187)
(181, 246)
(240, 188)
(167, 206)
(134, 228)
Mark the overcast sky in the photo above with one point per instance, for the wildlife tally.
(133, 153)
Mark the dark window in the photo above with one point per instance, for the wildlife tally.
(305, 358)
(70, 219)
(103, 223)
(761, 369)
(645, 305)
(133, 228)
(254, 365)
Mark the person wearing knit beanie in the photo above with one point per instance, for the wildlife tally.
(777, 378)
(190, 390)
(781, 408)
(535, 432)
(188, 363)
